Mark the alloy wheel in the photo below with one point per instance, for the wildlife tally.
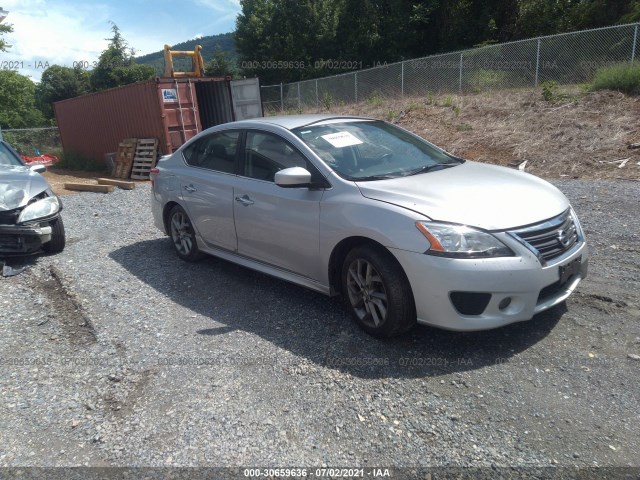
(367, 293)
(182, 233)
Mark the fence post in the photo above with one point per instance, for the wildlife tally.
(317, 99)
(299, 105)
(402, 80)
(355, 82)
(633, 50)
(0, 134)
(460, 79)
(537, 63)
(281, 99)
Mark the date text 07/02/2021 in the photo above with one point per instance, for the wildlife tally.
(324, 472)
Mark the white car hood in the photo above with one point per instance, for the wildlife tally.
(474, 194)
(18, 185)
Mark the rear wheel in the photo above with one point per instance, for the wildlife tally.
(58, 237)
(377, 292)
(183, 235)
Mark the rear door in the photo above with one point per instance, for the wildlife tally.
(207, 187)
(275, 225)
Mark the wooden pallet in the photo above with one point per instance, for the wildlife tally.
(124, 158)
(145, 158)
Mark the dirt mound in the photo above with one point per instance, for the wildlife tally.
(576, 135)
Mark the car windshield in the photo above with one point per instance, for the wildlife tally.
(373, 150)
(7, 157)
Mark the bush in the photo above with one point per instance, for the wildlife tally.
(624, 78)
(73, 161)
(29, 142)
(549, 90)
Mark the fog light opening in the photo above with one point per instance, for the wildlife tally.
(504, 303)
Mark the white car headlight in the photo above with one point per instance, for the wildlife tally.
(460, 241)
(40, 209)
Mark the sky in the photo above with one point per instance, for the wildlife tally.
(72, 32)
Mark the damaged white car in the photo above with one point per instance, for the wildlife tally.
(30, 218)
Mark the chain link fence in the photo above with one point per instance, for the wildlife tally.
(33, 141)
(566, 58)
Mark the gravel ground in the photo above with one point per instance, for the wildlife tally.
(116, 353)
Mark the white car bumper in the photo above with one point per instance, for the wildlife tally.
(480, 294)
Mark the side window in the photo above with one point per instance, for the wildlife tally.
(214, 152)
(265, 154)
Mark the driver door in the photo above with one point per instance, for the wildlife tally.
(275, 225)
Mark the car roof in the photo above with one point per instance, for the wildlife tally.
(291, 122)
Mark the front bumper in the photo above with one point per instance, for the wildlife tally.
(530, 287)
(20, 240)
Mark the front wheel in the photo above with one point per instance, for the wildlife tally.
(183, 235)
(377, 292)
(58, 237)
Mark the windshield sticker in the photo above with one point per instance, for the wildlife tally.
(341, 139)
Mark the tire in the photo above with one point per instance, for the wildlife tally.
(377, 292)
(58, 237)
(183, 236)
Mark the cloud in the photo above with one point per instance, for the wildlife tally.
(71, 32)
(220, 6)
(65, 36)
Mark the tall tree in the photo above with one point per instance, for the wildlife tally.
(219, 65)
(279, 40)
(4, 28)
(116, 65)
(271, 34)
(59, 83)
(17, 101)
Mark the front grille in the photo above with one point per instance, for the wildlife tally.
(551, 238)
(9, 217)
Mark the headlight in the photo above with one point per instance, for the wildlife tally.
(40, 209)
(460, 241)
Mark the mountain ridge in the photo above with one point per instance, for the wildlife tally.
(210, 45)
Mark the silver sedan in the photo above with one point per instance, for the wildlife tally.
(405, 231)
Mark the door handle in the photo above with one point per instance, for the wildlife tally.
(245, 200)
(190, 188)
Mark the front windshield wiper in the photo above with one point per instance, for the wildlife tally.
(373, 177)
(431, 168)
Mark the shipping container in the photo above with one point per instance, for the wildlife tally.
(170, 109)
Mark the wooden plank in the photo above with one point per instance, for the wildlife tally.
(85, 187)
(118, 183)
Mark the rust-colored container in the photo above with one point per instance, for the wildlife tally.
(164, 108)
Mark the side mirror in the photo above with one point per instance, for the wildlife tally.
(38, 168)
(294, 177)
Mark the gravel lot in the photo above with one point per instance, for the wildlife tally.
(115, 352)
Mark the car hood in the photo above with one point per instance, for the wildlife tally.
(474, 194)
(18, 185)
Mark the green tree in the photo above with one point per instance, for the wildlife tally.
(116, 65)
(270, 34)
(219, 65)
(4, 46)
(17, 101)
(279, 40)
(59, 83)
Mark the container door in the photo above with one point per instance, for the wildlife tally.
(247, 102)
(214, 103)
